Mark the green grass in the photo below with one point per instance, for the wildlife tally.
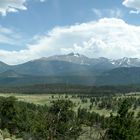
(43, 99)
(47, 99)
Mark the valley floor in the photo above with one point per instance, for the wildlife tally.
(102, 105)
(80, 101)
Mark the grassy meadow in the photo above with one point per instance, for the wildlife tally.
(46, 99)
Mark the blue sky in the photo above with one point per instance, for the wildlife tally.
(43, 16)
(30, 29)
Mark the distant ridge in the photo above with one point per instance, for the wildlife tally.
(73, 68)
(120, 76)
(10, 73)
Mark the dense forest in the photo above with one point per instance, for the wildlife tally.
(60, 120)
(70, 89)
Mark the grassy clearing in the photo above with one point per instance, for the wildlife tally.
(47, 99)
(43, 99)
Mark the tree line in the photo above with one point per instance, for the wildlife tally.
(70, 89)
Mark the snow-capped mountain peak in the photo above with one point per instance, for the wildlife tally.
(74, 54)
(126, 62)
(84, 60)
(71, 57)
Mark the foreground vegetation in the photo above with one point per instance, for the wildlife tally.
(70, 117)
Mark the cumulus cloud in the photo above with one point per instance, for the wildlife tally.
(7, 6)
(107, 37)
(134, 4)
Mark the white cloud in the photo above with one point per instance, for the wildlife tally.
(42, 0)
(12, 6)
(97, 12)
(108, 37)
(111, 13)
(134, 12)
(8, 36)
(135, 4)
(7, 6)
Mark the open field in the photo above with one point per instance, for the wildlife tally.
(42, 99)
(47, 99)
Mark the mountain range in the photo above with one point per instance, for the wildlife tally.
(72, 68)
